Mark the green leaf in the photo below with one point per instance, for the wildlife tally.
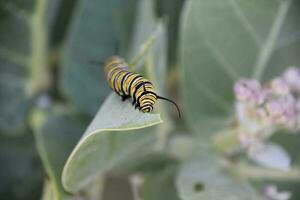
(23, 66)
(158, 58)
(144, 26)
(56, 133)
(154, 161)
(59, 17)
(149, 43)
(125, 19)
(149, 46)
(47, 191)
(14, 103)
(119, 184)
(15, 41)
(20, 170)
(204, 178)
(289, 142)
(93, 37)
(105, 145)
(222, 41)
(171, 11)
(161, 185)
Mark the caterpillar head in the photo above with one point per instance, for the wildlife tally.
(147, 101)
(147, 108)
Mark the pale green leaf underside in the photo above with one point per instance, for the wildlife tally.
(223, 41)
(100, 147)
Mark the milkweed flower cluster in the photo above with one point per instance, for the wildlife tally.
(271, 192)
(263, 109)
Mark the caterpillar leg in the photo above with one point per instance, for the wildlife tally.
(124, 97)
(137, 106)
(134, 103)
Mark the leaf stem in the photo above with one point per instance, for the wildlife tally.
(255, 172)
(136, 181)
(226, 142)
(145, 47)
(13, 56)
(37, 119)
(40, 77)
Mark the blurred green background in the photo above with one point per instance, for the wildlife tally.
(50, 92)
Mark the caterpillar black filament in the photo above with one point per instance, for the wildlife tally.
(132, 85)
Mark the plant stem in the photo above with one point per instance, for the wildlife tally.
(257, 173)
(40, 78)
(95, 190)
(47, 193)
(145, 47)
(136, 181)
(226, 142)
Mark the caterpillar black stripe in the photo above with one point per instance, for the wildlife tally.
(132, 85)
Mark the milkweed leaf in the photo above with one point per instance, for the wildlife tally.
(93, 36)
(223, 41)
(56, 132)
(106, 145)
(21, 48)
(205, 178)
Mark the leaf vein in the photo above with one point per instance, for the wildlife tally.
(15, 11)
(218, 100)
(245, 22)
(220, 58)
(288, 41)
(268, 48)
(14, 57)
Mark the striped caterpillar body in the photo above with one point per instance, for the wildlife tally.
(131, 85)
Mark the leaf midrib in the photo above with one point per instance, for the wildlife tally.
(245, 22)
(268, 47)
(265, 50)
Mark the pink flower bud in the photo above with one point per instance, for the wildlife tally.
(280, 87)
(271, 193)
(246, 90)
(292, 77)
(265, 94)
(282, 111)
(261, 112)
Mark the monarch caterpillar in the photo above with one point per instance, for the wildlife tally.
(132, 85)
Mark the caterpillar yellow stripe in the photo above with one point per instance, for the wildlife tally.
(132, 85)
